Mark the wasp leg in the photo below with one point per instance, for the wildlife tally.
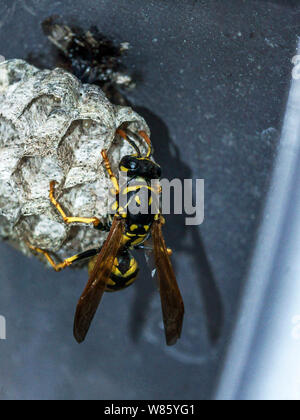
(170, 252)
(110, 172)
(103, 227)
(67, 261)
(96, 222)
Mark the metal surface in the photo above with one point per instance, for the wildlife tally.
(213, 79)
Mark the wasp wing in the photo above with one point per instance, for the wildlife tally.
(171, 300)
(92, 294)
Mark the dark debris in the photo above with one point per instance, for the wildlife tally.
(91, 57)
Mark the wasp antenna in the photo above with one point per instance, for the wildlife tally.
(124, 135)
(145, 136)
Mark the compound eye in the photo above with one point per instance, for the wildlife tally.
(133, 165)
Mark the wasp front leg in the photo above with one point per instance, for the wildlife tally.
(110, 172)
(67, 219)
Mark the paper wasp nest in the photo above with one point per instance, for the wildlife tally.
(53, 127)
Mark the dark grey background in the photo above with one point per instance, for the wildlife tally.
(213, 78)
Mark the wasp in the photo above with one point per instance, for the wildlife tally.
(113, 266)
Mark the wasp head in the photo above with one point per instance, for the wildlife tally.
(140, 166)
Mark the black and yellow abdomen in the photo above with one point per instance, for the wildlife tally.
(124, 271)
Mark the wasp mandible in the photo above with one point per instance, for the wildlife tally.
(113, 267)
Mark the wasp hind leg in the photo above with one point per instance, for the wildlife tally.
(96, 222)
(68, 261)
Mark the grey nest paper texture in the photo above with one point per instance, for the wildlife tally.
(53, 127)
